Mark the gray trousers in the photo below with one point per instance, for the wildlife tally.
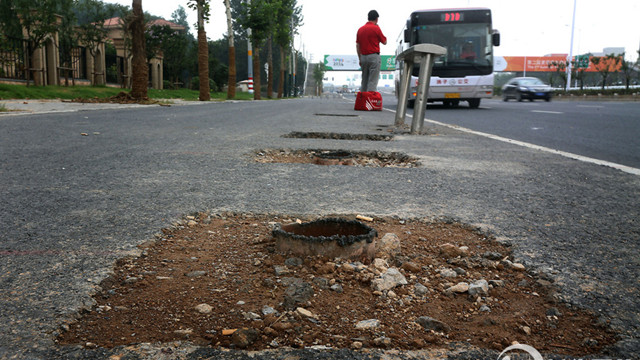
(370, 65)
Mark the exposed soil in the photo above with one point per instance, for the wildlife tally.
(229, 262)
(326, 157)
(121, 98)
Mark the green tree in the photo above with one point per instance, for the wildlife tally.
(203, 9)
(606, 65)
(318, 75)
(35, 19)
(288, 21)
(560, 70)
(626, 68)
(258, 16)
(92, 32)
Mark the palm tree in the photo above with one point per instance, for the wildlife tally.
(202, 6)
(231, 91)
(139, 66)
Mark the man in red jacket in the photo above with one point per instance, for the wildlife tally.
(368, 42)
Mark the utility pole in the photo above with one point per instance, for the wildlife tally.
(573, 24)
(250, 58)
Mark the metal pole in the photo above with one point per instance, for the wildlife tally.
(405, 84)
(420, 106)
(250, 58)
(573, 24)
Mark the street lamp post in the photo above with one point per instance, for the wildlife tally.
(573, 24)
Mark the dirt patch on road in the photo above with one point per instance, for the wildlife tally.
(375, 159)
(218, 281)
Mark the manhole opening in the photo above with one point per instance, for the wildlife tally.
(331, 237)
(337, 115)
(338, 136)
(336, 157)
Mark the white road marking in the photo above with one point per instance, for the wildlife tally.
(624, 168)
(547, 112)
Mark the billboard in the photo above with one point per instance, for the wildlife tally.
(352, 63)
(541, 63)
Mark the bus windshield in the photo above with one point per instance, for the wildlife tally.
(468, 48)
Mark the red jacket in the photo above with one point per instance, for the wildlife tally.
(369, 37)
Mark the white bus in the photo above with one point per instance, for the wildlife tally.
(466, 72)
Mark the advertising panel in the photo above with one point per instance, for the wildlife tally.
(351, 63)
(539, 63)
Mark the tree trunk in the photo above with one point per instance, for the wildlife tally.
(231, 87)
(270, 66)
(203, 56)
(231, 91)
(140, 70)
(256, 73)
(281, 78)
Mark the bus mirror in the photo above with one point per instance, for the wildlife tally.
(495, 38)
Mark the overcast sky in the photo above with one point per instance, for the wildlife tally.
(531, 28)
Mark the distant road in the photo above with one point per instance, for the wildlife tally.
(603, 130)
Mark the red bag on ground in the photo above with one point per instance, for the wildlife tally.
(368, 101)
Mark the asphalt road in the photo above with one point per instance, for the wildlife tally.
(81, 189)
(602, 130)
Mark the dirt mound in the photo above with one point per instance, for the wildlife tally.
(219, 281)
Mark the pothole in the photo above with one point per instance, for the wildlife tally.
(336, 115)
(338, 136)
(376, 159)
(220, 281)
(332, 237)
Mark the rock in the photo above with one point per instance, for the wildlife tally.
(526, 330)
(553, 312)
(337, 288)
(244, 338)
(327, 268)
(196, 273)
(421, 290)
(305, 313)
(131, 280)
(448, 273)
(294, 261)
(485, 308)
(429, 323)
(492, 255)
(368, 324)
(321, 282)
(459, 288)
(451, 251)
(496, 283)
(356, 345)
(251, 316)
(388, 247)
(297, 293)
(480, 287)
(411, 267)
(518, 267)
(192, 223)
(184, 332)
(267, 310)
(280, 270)
(388, 280)
(382, 341)
(204, 308)
(380, 264)
(460, 271)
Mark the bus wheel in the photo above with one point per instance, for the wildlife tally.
(474, 103)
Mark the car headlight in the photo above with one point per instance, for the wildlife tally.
(522, 88)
